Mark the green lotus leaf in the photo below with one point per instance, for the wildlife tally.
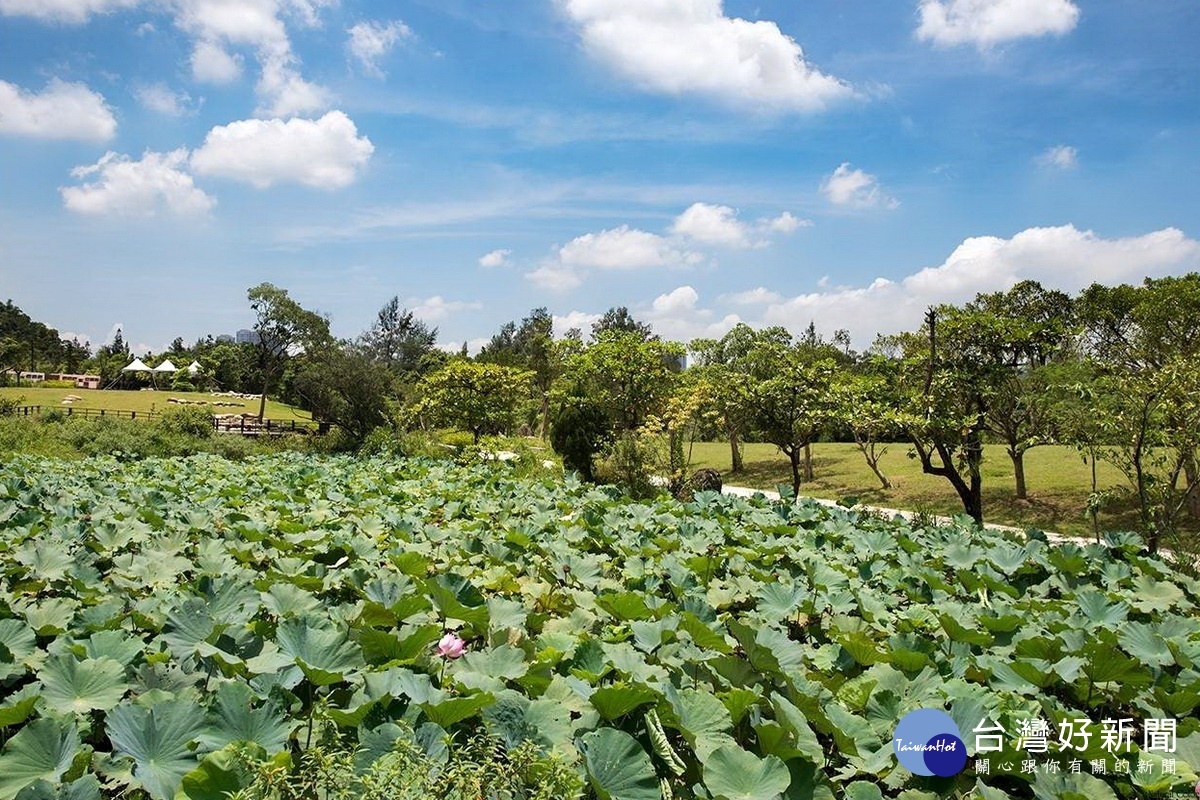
(324, 653)
(159, 739)
(73, 686)
(731, 773)
(618, 767)
(235, 718)
(41, 751)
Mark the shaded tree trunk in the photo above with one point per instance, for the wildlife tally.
(808, 470)
(1018, 461)
(793, 455)
(735, 452)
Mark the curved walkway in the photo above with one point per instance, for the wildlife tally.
(745, 491)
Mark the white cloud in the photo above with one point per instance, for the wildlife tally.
(575, 319)
(144, 188)
(496, 258)
(986, 23)
(1060, 257)
(753, 297)
(691, 47)
(678, 316)
(60, 111)
(856, 189)
(1062, 157)
(159, 97)
(719, 226)
(284, 90)
(785, 223)
(555, 277)
(710, 224)
(211, 63)
(433, 309)
(326, 153)
(624, 248)
(69, 11)
(370, 41)
(218, 24)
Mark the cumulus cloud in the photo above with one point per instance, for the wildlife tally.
(692, 47)
(370, 41)
(709, 224)
(326, 153)
(624, 248)
(211, 63)
(122, 187)
(159, 97)
(575, 319)
(433, 309)
(259, 24)
(854, 188)
(555, 277)
(60, 111)
(496, 258)
(986, 23)
(1062, 157)
(1061, 257)
(759, 295)
(73, 12)
(719, 226)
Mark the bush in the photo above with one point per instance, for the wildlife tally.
(578, 432)
(9, 405)
(186, 421)
(409, 770)
(632, 462)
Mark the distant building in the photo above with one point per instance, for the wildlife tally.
(247, 337)
(225, 338)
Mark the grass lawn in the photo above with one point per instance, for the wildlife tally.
(1058, 481)
(142, 402)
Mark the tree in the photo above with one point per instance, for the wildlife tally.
(1029, 327)
(344, 385)
(629, 376)
(865, 403)
(470, 396)
(725, 365)
(284, 329)
(398, 341)
(943, 403)
(792, 400)
(529, 346)
(618, 320)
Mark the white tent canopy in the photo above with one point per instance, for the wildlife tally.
(137, 366)
(166, 366)
(193, 367)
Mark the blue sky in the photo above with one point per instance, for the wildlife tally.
(703, 163)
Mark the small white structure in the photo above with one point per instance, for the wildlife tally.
(166, 366)
(137, 365)
(193, 368)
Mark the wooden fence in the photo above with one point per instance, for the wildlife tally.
(245, 426)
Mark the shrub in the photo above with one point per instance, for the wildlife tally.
(578, 432)
(9, 405)
(186, 421)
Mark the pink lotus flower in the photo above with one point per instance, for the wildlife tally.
(451, 646)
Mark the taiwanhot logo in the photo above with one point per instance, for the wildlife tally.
(928, 742)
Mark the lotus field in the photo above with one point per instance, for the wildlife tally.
(162, 619)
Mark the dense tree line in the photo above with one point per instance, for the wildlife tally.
(1112, 371)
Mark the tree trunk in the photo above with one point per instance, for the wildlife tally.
(262, 402)
(1018, 460)
(735, 452)
(808, 470)
(545, 431)
(794, 459)
(872, 458)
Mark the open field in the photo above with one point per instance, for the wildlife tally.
(142, 402)
(1058, 480)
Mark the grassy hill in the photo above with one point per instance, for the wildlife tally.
(144, 401)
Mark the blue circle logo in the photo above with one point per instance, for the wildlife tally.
(928, 742)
